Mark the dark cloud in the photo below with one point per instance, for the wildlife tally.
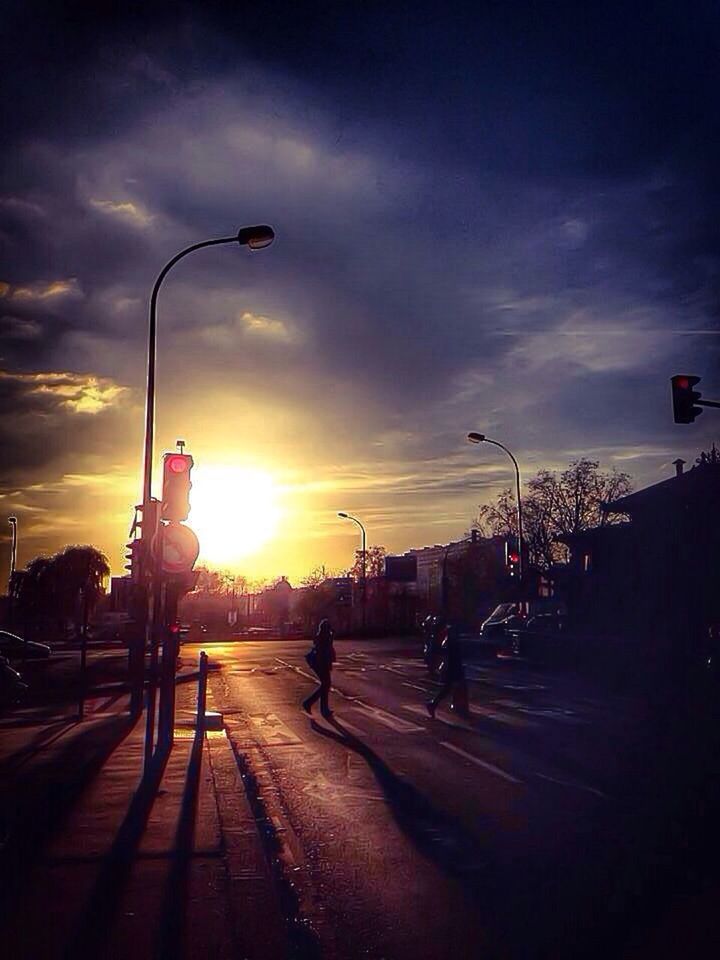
(500, 218)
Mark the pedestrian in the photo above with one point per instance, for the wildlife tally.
(452, 674)
(320, 659)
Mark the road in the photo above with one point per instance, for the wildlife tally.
(551, 824)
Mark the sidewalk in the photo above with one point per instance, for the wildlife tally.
(96, 866)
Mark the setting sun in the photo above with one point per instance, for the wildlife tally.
(235, 512)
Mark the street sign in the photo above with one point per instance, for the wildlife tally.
(180, 548)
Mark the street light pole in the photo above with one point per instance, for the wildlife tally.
(13, 547)
(481, 438)
(347, 516)
(13, 559)
(255, 238)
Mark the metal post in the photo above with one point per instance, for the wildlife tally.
(202, 690)
(363, 596)
(166, 711)
(255, 238)
(155, 618)
(13, 558)
(481, 438)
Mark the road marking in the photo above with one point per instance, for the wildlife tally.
(271, 730)
(475, 712)
(351, 727)
(297, 670)
(388, 719)
(570, 783)
(422, 712)
(480, 763)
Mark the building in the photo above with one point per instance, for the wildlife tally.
(653, 580)
(464, 579)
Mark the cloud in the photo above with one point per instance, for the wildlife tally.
(125, 210)
(47, 290)
(80, 393)
(19, 328)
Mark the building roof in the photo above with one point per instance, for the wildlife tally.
(698, 484)
(591, 535)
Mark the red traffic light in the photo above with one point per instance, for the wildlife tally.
(176, 486)
(684, 398)
(513, 557)
(178, 463)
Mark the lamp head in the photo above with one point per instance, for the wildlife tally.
(256, 237)
(12, 519)
(343, 515)
(476, 437)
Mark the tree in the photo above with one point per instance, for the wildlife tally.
(554, 505)
(316, 596)
(79, 572)
(316, 577)
(66, 586)
(218, 583)
(374, 564)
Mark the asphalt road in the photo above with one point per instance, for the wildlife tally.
(559, 821)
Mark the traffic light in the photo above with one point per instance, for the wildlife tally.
(176, 486)
(684, 398)
(134, 558)
(512, 561)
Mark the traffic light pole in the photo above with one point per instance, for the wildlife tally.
(255, 238)
(155, 585)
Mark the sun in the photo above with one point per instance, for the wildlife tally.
(234, 512)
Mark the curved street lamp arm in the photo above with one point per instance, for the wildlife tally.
(150, 408)
(519, 501)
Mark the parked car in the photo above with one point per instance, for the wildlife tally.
(12, 686)
(13, 647)
(542, 638)
(504, 617)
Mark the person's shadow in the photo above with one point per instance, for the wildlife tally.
(436, 834)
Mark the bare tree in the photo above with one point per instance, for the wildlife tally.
(374, 564)
(553, 505)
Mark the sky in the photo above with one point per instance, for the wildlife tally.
(498, 217)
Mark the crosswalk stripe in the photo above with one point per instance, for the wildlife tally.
(490, 767)
(388, 719)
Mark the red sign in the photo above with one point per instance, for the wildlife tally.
(180, 548)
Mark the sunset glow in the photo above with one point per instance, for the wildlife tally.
(235, 512)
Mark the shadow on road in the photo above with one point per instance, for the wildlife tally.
(442, 839)
(173, 912)
(31, 821)
(95, 922)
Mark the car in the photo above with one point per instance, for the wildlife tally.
(505, 616)
(12, 687)
(554, 622)
(13, 647)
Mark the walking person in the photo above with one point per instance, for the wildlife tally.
(452, 674)
(321, 659)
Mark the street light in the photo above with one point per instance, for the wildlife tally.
(13, 558)
(347, 516)
(256, 238)
(13, 548)
(481, 438)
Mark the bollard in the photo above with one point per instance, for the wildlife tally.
(202, 690)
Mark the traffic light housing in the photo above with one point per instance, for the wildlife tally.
(134, 558)
(176, 486)
(512, 561)
(684, 398)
